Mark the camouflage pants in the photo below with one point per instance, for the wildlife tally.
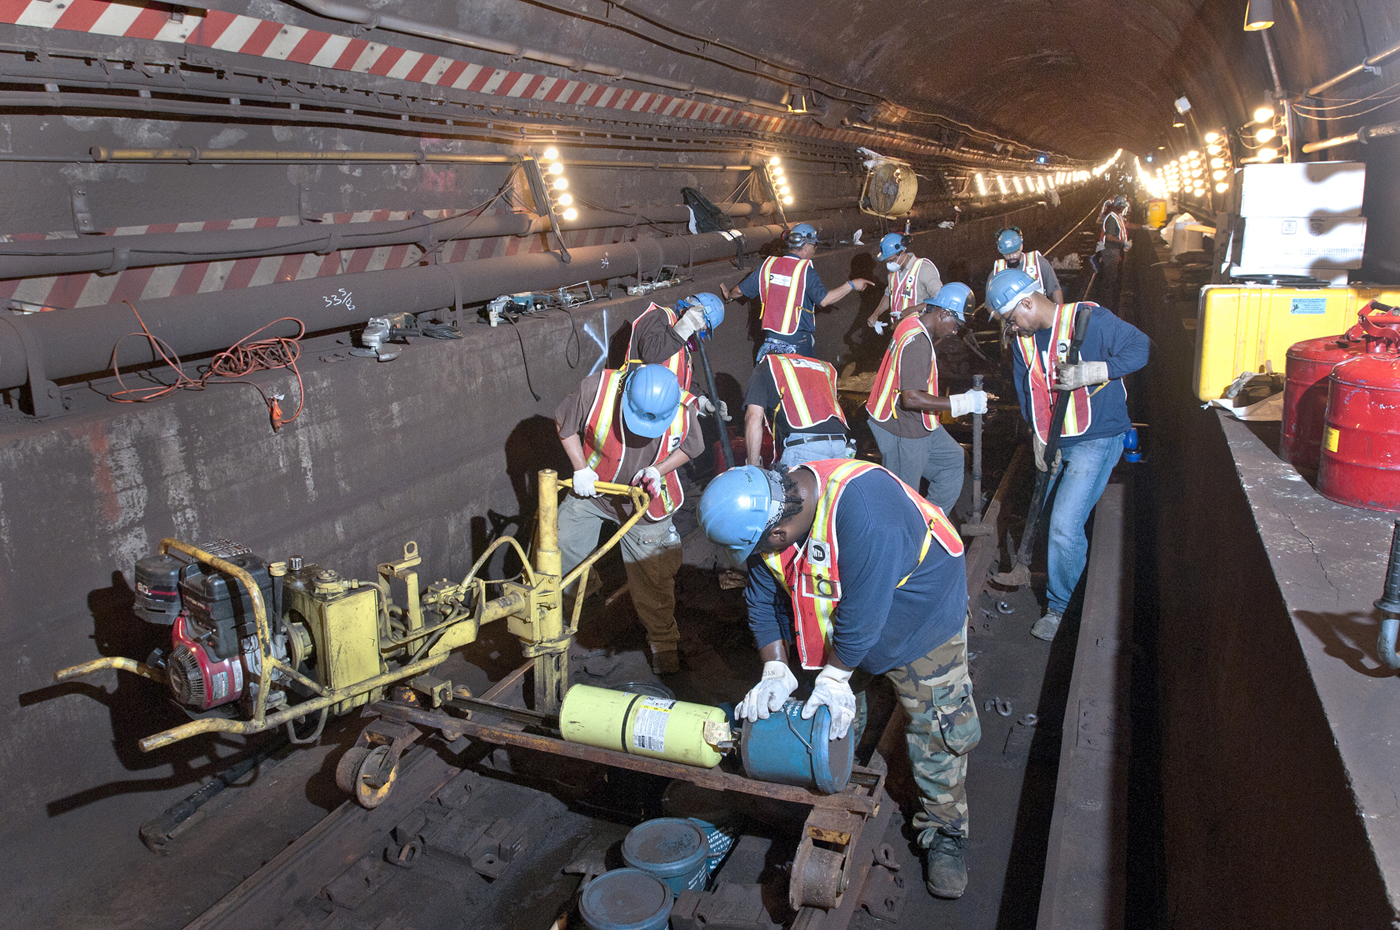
(943, 728)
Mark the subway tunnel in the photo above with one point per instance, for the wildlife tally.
(1211, 746)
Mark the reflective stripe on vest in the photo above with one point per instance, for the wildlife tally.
(884, 393)
(782, 282)
(679, 364)
(810, 573)
(1122, 233)
(904, 288)
(1030, 264)
(807, 388)
(605, 446)
(1040, 374)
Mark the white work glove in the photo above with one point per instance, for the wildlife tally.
(1040, 452)
(879, 327)
(584, 479)
(649, 480)
(833, 688)
(771, 692)
(707, 407)
(967, 402)
(690, 323)
(1073, 377)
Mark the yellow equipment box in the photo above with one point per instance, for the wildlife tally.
(1242, 328)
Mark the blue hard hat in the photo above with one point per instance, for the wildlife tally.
(650, 400)
(800, 235)
(1007, 287)
(1009, 241)
(955, 298)
(891, 245)
(711, 304)
(737, 506)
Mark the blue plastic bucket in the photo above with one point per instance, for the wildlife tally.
(626, 899)
(791, 751)
(671, 848)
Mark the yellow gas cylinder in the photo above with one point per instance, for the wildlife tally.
(643, 725)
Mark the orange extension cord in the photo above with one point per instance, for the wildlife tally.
(231, 365)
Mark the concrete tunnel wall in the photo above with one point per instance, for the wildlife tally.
(439, 446)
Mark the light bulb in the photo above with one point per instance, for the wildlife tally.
(560, 184)
(1212, 136)
(1265, 134)
(1212, 149)
(785, 190)
(1219, 175)
(1217, 163)
(557, 168)
(1268, 154)
(1263, 113)
(775, 160)
(550, 154)
(787, 201)
(571, 214)
(565, 199)
(1222, 187)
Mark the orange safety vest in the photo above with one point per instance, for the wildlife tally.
(810, 574)
(1030, 264)
(1122, 230)
(1040, 374)
(807, 388)
(781, 284)
(903, 289)
(604, 443)
(679, 364)
(884, 393)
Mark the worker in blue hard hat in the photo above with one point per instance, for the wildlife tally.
(661, 336)
(633, 426)
(1013, 254)
(855, 574)
(1096, 419)
(904, 401)
(913, 281)
(791, 292)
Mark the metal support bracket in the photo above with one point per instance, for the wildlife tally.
(40, 395)
(82, 215)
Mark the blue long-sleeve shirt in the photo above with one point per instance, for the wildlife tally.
(1108, 339)
(812, 297)
(877, 625)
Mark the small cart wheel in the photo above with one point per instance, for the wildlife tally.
(369, 784)
(349, 767)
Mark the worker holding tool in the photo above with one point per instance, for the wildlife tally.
(662, 336)
(796, 397)
(913, 281)
(861, 576)
(1011, 247)
(904, 402)
(791, 292)
(1094, 420)
(631, 427)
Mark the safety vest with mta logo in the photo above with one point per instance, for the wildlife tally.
(1040, 375)
(781, 284)
(1030, 264)
(679, 364)
(903, 289)
(810, 573)
(605, 445)
(807, 388)
(884, 393)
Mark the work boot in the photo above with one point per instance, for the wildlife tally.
(665, 660)
(1046, 627)
(947, 869)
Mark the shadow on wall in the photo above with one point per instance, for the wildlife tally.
(1350, 638)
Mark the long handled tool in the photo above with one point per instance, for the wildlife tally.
(975, 526)
(725, 448)
(1020, 574)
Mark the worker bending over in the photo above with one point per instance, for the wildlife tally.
(791, 291)
(796, 397)
(1095, 420)
(662, 335)
(631, 427)
(860, 576)
(913, 281)
(904, 402)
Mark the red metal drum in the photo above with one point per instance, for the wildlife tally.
(1360, 460)
(1310, 362)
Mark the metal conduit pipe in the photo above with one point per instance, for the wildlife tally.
(1363, 135)
(349, 13)
(1366, 65)
(73, 343)
(112, 254)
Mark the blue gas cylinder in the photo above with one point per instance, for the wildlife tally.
(1131, 452)
(673, 849)
(626, 899)
(791, 751)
